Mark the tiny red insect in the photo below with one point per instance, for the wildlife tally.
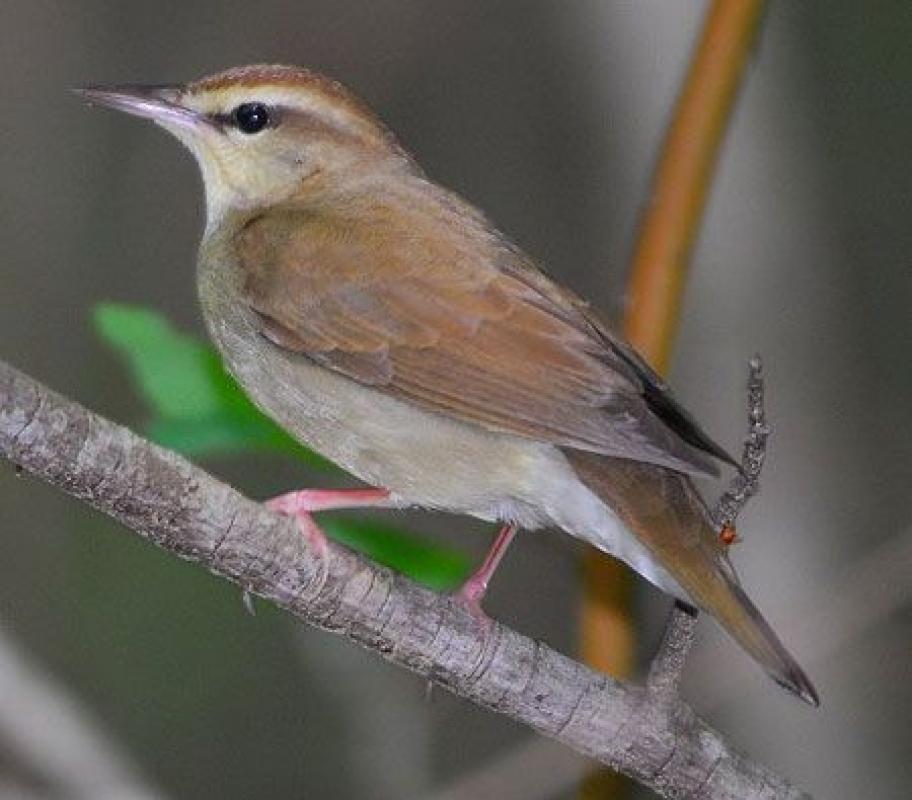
(728, 535)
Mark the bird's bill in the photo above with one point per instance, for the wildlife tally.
(158, 103)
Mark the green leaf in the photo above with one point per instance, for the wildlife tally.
(436, 567)
(197, 407)
(175, 374)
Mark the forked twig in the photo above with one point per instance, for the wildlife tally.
(668, 664)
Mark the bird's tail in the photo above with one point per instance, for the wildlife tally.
(666, 513)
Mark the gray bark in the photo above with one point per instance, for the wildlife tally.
(647, 733)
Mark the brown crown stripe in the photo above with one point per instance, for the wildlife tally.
(282, 75)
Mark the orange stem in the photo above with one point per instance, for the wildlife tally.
(682, 180)
(658, 274)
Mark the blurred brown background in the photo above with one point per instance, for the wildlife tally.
(548, 115)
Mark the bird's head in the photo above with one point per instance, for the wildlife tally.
(262, 134)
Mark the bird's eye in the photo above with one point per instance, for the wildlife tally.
(251, 117)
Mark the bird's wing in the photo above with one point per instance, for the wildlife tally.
(460, 326)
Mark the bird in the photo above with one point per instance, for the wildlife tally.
(386, 323)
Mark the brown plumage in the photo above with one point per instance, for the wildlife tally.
(469, 329)
(385, 322)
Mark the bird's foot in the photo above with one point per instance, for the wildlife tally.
(470, 595)
(305, 521)
(473, 591)
(303, 503)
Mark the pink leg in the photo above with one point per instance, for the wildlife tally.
(472, 592)
(310, 500)
(302, 504)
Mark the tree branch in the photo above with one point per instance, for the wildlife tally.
(186, 511)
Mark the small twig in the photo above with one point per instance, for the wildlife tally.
(668, 664)
(664, 681)
(747, 482)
